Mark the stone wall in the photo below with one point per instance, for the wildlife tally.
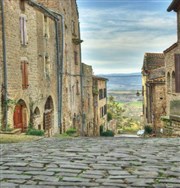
(71, 106)
(154, 94)
(170, 68)
(37, 52)
(100, 113)
(1, 66)
(159, 105)
(87, 100)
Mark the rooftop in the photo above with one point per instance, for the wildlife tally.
(175, 5)
(153, 61)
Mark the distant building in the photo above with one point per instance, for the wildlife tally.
(100, 103)
(87, 101)
(153, 90)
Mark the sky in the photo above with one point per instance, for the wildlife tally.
(117, 33)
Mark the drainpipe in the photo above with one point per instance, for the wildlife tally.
(82, 85)
(60, 60)
(5, 65)
(82, 103)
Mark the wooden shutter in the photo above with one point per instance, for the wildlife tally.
(23, 77)
(24, 68)
(23, 29)
(104, 92)
(177, 72)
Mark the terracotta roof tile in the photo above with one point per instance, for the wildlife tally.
(153, 61)
(157, 73)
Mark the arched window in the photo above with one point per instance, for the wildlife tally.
(173, 82)
(168, 82)
(36, 111)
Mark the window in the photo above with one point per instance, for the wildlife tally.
(47, 65)
(105, 109)
(23, 29)
(100, 94)
(22, 5)
(73, 27)
(104, 92)
(75, 58)
(46, 27)
(177, 73)
(24, 68)
(89, 100)
(101, 112)
(77, 87)
(168, 82)
(73, 97)
(173, 82)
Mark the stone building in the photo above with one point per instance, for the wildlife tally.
(71, 68)
(153, 91)
(43, 82)
(172, 64)
(87, 101)
(100, 103)
(30, 66)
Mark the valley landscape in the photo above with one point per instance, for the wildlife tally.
(126, 91)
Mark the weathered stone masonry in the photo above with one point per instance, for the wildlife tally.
(31, 64)
(153, 82)
(47, 83)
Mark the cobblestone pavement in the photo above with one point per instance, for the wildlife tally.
(91, 162)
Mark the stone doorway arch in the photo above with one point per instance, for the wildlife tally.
(48, 116)
(20, 116)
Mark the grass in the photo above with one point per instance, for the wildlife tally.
(7, 138)
(63, 135)
(129, 130)
(136, 104)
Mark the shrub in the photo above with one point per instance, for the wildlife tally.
(35, 132)
(107, 133)
(148, 129)
(109, 116)
(71, 131)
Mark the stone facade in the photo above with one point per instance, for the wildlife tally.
(100, 103)
(87, 103)
(154, 97)
(172, 63)
(31, 64)
(71, 103)
(47, 85)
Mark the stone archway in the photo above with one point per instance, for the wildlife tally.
(20, 116)
(37, 118)
(48, 116)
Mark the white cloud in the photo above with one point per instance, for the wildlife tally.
(116, 39)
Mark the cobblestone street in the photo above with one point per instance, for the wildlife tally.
(91, 162)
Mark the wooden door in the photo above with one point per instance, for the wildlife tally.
(24, 119)
(18, 120)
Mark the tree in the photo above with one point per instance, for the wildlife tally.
(115, 110)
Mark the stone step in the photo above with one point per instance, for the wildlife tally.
(14, 131)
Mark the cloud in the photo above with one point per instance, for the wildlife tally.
(116, 38)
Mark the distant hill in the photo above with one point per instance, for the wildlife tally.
(123, 82)
(120, 74)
